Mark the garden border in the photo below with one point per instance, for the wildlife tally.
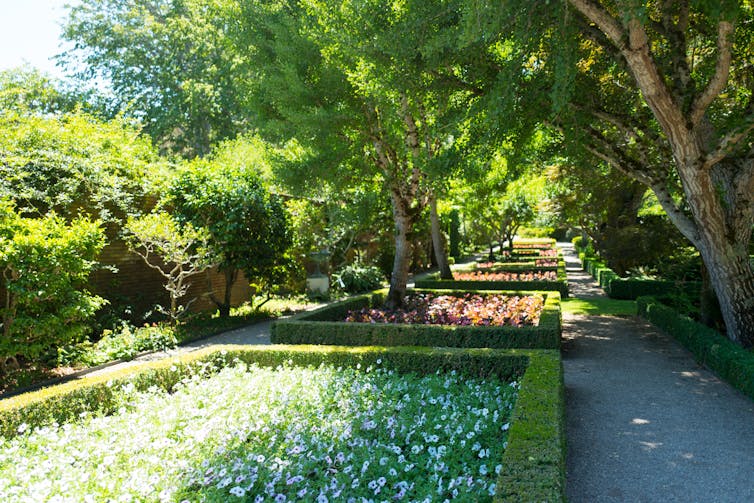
(559, 285)
(533, 463)
(729, 361)
(320, 327)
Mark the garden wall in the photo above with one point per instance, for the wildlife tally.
(140, 287)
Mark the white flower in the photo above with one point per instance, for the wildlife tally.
(238, 491)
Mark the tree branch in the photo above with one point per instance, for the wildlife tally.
(720, 79)
(729, 143)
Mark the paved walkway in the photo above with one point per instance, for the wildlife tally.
(644, 422)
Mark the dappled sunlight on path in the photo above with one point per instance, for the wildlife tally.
(644, 421)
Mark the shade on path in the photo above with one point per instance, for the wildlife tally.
(644, 422)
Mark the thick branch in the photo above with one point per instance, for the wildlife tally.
(728, 143)
(678, 217)
(720, 78)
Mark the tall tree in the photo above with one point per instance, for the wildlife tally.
(662, 91)
(363, 86)
(168, 63)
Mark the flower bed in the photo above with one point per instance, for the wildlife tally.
(327, 325)
(206, 443)
(462, 310)
(241, 433)
(492, 275)
(498, 276)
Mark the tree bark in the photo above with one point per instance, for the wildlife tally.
(401, 263)
(437, 241)
(717, 190)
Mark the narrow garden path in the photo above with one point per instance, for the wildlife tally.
(644, 422)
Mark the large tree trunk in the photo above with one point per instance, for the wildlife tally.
(717, 185)
(731, 277)
(399, 277)
(223, 306)
(437, 242)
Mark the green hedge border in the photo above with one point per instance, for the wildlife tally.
(560, 285)
(320, 327)
(729, 361)
(533, 463)
(630, 288)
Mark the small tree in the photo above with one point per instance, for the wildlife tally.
(45, 263)
(176, 252)
(247, 227)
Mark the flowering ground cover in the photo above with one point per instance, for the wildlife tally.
(262, 434)
(494, 275)
(463, 310)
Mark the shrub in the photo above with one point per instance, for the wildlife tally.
(176, 253)
(121, 345)
(45, 264)
(728, 360)
(357, 278)
(248, 228)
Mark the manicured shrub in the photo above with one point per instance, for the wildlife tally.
(728, 360)
(325, 326)
(45, 263)
(631, 288)
(358, 278)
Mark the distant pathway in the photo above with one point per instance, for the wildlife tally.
(644, 422)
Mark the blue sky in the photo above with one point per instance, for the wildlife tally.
(30, 31)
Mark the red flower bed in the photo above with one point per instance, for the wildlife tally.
(546, 262)
(464, 310)
(483, 275)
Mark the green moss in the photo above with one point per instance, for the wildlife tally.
(323, 326)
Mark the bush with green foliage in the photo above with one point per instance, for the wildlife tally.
(248, 227)
(357, 278)
(74, 163)
(728, 360)
(45, 264)
(122, 344)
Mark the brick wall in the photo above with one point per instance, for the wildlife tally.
(141, 287)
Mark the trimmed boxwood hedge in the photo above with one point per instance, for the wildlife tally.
(324, 326)
(632, 288)
(533, 464)
(731, 362)
(560, 285)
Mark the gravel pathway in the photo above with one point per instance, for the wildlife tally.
(645, 423)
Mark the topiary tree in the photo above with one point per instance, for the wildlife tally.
(45, 263)
(248, 227)
(176, 252)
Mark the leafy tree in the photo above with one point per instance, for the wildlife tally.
(45, 264)
(176, 252)
(168, 62)
(363, 86)
(661, 91)
(73, 163)
(25, 89)
(248, 227)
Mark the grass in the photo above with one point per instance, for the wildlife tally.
(598, 307)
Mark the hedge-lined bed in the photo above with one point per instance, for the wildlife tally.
(559, 285)
(532, 467)
(728, 360)
(325, 326)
